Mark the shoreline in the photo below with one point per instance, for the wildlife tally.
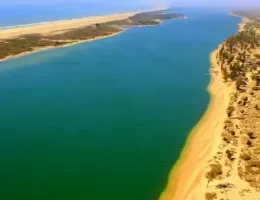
(63, 26)
(57, 47)
(185, 182)
(78, 18)
(56, 27)
(187, 179)
(47, 28)
(242, 23)
(61, 21)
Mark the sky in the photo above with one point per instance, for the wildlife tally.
(156, 3)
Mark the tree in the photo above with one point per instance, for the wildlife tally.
(224, 74)
(239, 82)
(231, 58)
(257, 81)
(230, 111)
(233, 75)
(257, 56)
(254, 76)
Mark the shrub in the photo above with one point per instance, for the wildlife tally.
(230, 155)
(249, 143)
(251, 135)
(257, 56)
(245, 157)
(253, 167)
(210, 196)
(230, 111)
(215, 171)
(255, 88)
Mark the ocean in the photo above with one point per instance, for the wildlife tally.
(106, 119)
(12, 15)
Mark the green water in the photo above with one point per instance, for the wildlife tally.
(106, 119)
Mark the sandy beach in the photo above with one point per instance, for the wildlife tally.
(61, 26)
(58, 27)
(243, 22)
(187, 180)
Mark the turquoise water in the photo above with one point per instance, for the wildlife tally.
(106, 119)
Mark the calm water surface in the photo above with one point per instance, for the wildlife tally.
(106, 119)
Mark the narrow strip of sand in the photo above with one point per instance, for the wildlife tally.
(64, 25)
(57, 27)
(187, 180)
(60, 26)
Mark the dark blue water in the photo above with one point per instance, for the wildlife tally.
(106, 119)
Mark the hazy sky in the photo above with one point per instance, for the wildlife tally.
(234, 3)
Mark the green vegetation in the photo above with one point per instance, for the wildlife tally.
(149, 16)
(145, 19)
(24, 44)
(28, 43)
(239, 61)
(234, 57)
(88, 32)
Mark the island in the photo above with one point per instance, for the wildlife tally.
(24, 40)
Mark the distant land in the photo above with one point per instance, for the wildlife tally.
(222, 158)
(249, 13)
(24, 40)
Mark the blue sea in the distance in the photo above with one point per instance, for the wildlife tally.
(106, 119)
(20, 14)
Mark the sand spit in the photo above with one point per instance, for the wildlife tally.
(61, 26)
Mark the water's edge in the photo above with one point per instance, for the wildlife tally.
(170, 191)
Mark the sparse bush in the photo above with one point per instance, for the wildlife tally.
(245, 157)
(230, 155)
(257, 56)
(253, 167)
(249, 143)
(251, 135)
(215, 171)
(210, 196)
(230, 111)
(255, 88)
